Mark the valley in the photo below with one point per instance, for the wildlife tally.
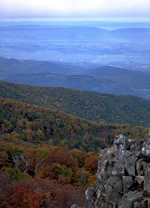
(82, 43)
(67, 89)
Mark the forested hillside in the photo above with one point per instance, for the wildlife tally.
(46, 157)
(36, 167)
(38, 125)
(89, 105)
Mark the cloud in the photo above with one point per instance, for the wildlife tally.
(71, 8)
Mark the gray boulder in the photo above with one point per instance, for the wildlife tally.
(123, 176)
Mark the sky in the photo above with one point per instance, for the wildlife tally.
(125, 9)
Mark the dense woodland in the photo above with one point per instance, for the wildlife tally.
(89, 105)
(44, 176)
(48, 157)
(38, 125)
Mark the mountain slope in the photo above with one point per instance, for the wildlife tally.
(11, 66)
(35, 124)
(122, 81)
(88, 105)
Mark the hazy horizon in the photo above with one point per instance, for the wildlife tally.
(84, 9)
(44, 30)
(121, 20)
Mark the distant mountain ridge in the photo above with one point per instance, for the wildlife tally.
(88, 105)
(104, 79)
(80, 31)
(12, 66)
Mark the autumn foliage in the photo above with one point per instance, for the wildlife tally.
(25, 196)
(44, 176)
(49, 158)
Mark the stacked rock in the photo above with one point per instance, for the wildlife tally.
(123, 176)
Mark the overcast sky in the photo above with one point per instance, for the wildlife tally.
(75, 8)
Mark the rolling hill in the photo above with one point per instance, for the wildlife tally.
(103, 79)
(10, 66)
(39, 125)
(89, 105)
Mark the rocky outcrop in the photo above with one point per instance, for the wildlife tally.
(123, 176)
